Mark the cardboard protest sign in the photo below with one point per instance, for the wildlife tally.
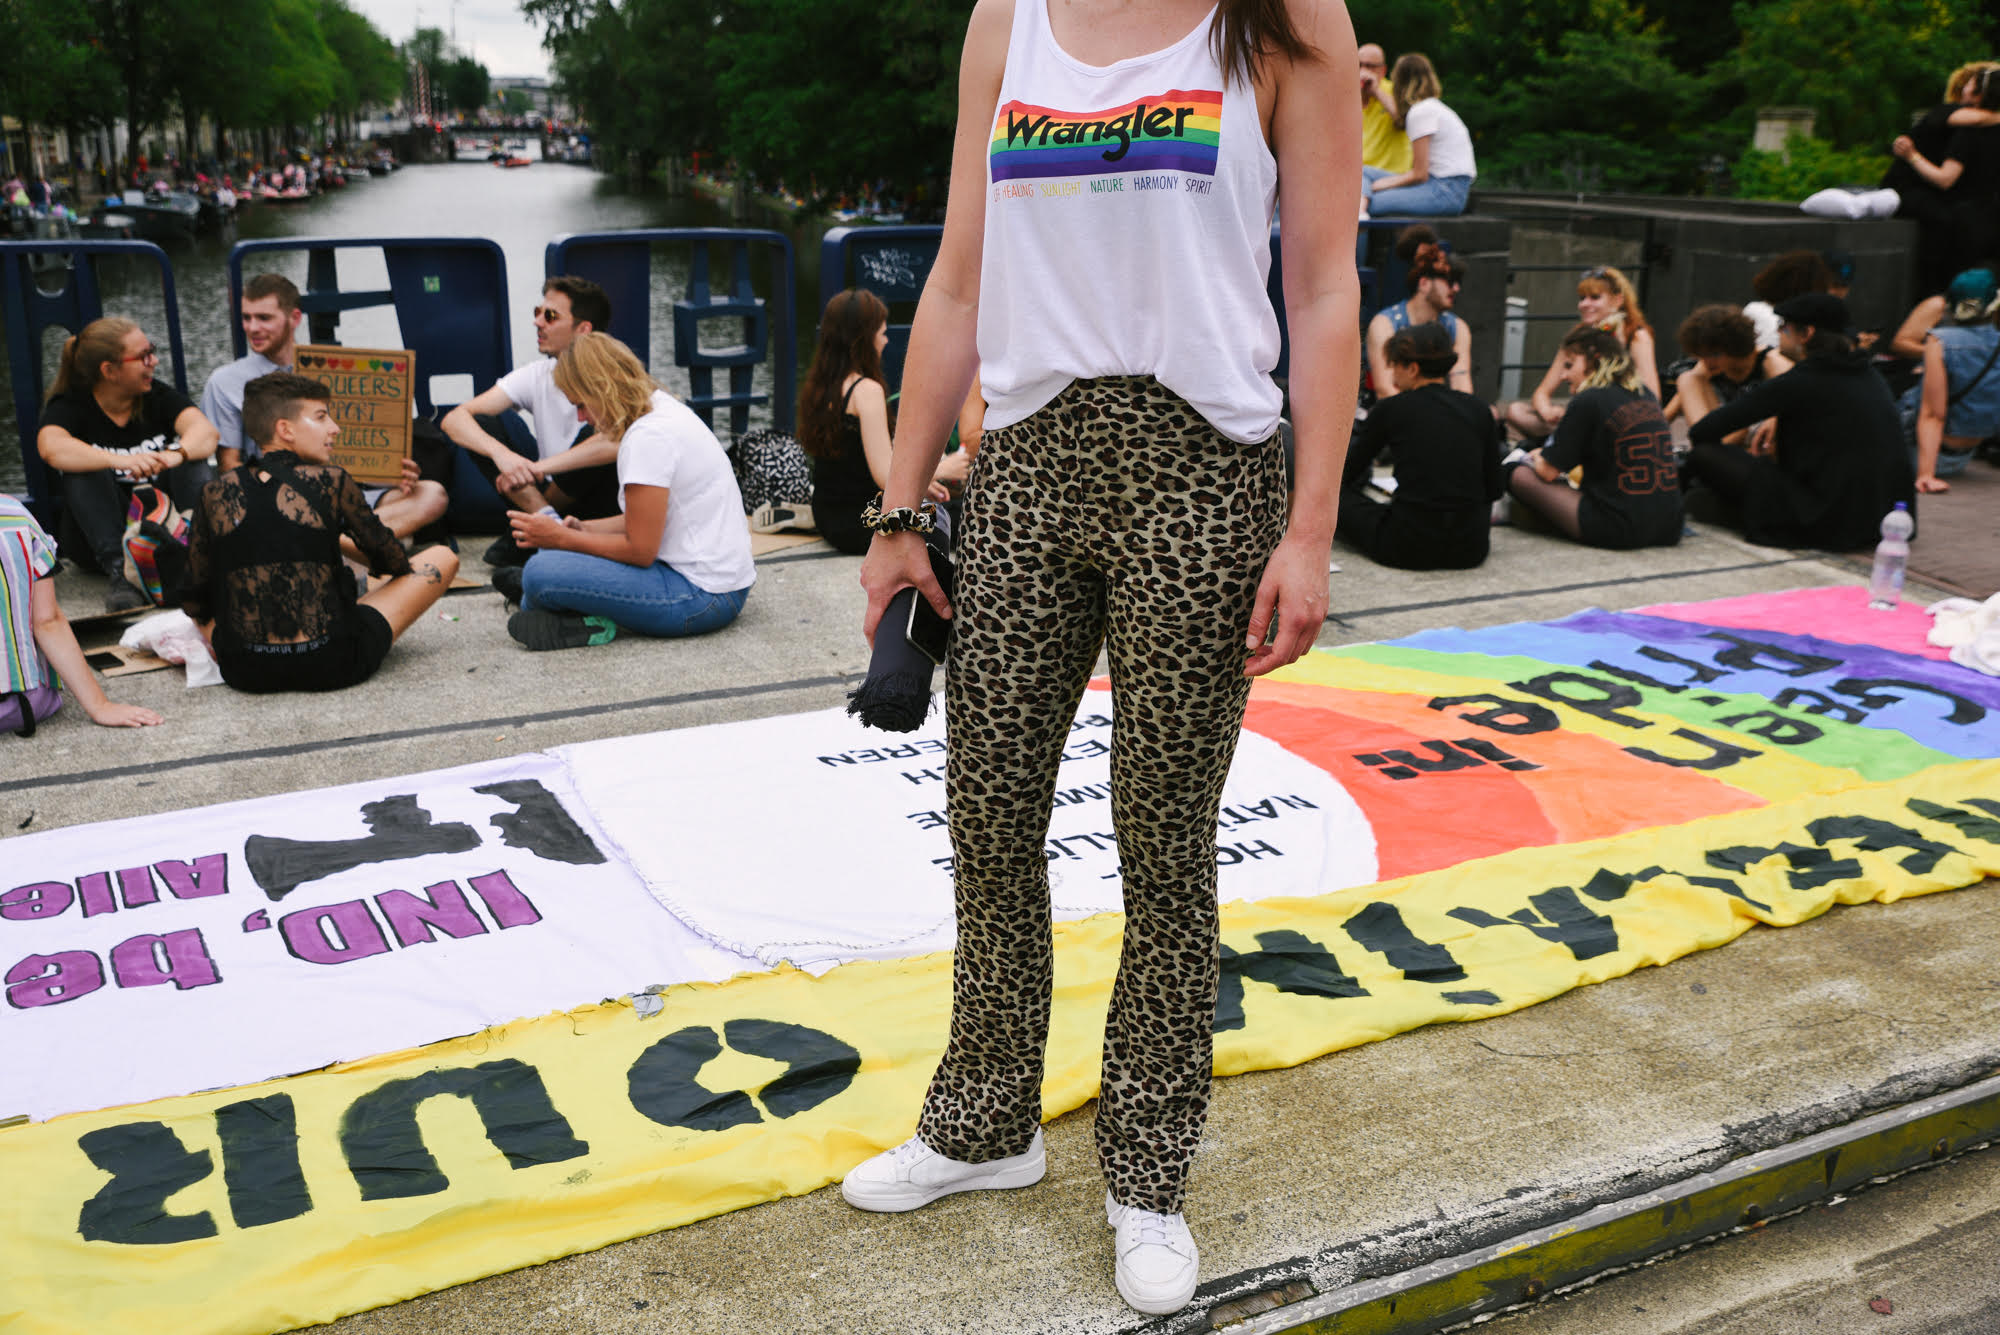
(372, 390)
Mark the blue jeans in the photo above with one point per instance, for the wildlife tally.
(1438, 197)
(652, 600)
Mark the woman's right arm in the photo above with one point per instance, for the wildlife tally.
(944, 352)
(1543, 399)
(66, 454)
(1932, 408)
(1909, 340)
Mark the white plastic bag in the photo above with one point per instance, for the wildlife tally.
(172, 636)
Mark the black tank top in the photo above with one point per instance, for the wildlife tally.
(843, 478)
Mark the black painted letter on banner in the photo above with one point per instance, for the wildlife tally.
(1287, 961)
(385, 1149)
(540, 825)
(260, 1161)
(1557, 915)
(663, 1086)
(399, 828)
(148, 1164)
(1380, 928)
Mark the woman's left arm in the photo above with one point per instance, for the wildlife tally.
(1315, 131)
(198, 436)
(1420, 167)
(635, 542)
(1645, 362)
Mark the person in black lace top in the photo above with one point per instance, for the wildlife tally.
(265, 580)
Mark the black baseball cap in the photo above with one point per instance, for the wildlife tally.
(1820, 310)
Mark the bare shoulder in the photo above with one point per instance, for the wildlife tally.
(986, 33)
(868, 393)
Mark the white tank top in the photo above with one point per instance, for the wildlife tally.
(1128, 224)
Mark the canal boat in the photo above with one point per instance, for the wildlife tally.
(171, 216)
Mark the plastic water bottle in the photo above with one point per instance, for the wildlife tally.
(1892, 559)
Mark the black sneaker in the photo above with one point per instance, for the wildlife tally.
(506, 552)
(122, 597)
(539, 630)
(507, 579)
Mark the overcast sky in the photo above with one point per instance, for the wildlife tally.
(494, 32)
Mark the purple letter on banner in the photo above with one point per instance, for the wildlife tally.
(199, 879)
(411, 916)
(509, 906)
(180, 958)
(43, 899)
(45, 980)
(334, 934)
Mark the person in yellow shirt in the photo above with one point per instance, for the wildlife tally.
(1383, 142)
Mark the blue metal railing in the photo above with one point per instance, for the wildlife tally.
(29, 312)
(621, 263)
(891, 262)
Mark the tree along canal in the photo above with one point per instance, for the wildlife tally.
(520, 210)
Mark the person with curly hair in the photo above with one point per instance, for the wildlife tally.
(1434, 277)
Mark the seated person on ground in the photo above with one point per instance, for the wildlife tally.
(1957, 403)
(1434, 280)
(676, 561)
(1723, 343)
(844, 420)
(1838, 462)
(578, 476)
(1605, 299)
(109, 425)
(1615, 431)
(38, 650)
(265, 580)
(1792, 274)
(1442, 165)
(1446, 450)
(270, 314)
(1967, 301)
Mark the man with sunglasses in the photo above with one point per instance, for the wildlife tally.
(108, 425)
(573, 471)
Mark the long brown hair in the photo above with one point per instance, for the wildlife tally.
(1246, 33)
(87, 350)
(1600, 279)
(846, 346)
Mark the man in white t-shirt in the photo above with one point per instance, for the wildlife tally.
(577, 477)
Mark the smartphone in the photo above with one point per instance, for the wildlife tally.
(928, 631)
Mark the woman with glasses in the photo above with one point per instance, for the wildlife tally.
(109, 425)
(1605, 299)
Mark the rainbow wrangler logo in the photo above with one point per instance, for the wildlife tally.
(1175, 130)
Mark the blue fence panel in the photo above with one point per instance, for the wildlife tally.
(893, 263)
(449, 294)
(622, 264)
(30, 311)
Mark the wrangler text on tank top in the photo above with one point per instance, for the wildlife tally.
(1176, 131)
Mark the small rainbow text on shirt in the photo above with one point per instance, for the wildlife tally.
(1176, 130)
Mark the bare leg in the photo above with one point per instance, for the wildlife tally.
(1526, 424)
(404, 515)
(1557, 502)
(405, 598)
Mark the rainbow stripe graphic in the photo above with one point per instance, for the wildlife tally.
(1178, 130)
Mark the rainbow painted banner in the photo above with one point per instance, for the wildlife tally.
(1519, 810)
(1177, 130)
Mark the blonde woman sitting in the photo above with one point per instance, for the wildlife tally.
(675, 560)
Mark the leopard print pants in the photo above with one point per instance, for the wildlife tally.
(1116, 512)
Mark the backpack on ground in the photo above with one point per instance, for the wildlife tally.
(771, 469)
(156, 544)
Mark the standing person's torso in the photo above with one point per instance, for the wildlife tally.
(1631, 482)
(1451, 142)
(1977, 148)
(705, 537)
(1128, 224)
(1974, 375)
(149, 428)
(533, 390)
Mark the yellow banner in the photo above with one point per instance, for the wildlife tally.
(293, 1202)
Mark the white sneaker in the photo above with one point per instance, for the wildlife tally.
(914, 1174)
(1157, 1260)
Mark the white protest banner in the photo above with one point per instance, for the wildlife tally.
(812, 840)
(165, 954)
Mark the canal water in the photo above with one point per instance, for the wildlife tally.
(521, 210)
